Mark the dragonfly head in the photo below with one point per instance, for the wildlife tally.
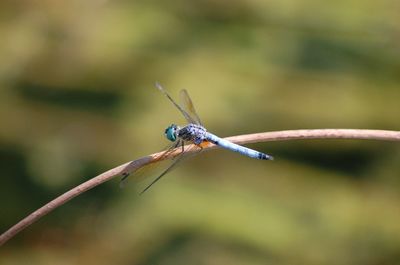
(170, 132)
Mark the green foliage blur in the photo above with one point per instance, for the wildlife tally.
(77, 97)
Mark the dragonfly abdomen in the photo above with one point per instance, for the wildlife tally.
(236, 148)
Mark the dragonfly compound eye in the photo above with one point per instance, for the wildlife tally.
(170, 133)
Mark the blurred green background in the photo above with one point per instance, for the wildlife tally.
(77, 98)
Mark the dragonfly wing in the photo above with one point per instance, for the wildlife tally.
(188, 106)
(175, 162)
(182, 110)
(168, 169)
(144, 171)
(147, 176)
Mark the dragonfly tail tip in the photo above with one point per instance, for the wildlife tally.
(268, 157)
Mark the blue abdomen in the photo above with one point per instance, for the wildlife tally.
(236, 148)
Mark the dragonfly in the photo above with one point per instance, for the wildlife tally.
(193, 133)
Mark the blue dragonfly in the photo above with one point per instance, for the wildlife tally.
(193, 133)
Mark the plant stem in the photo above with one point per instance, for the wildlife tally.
(129, 167)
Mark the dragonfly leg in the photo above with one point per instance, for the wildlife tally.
(182, 144)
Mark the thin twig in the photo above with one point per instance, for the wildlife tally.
(132, 166)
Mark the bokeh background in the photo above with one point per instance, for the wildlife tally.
(77, 97)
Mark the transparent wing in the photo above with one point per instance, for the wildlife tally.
(147, 176)
(145, 171)
(182, 110)
(189, 107)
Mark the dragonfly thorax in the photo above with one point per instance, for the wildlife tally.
(192, 132)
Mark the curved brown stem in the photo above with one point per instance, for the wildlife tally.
(132, 166)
